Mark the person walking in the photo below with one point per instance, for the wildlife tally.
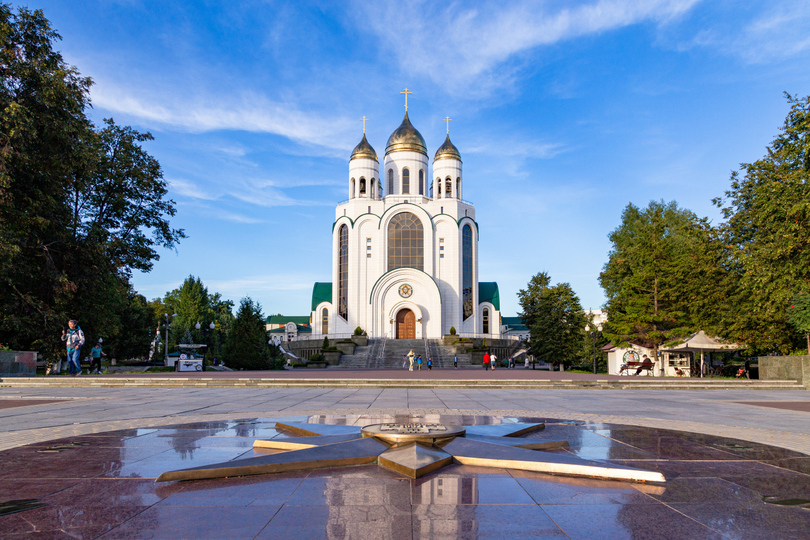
(404, 361)
(486, 361)
(410, 359)
(455, 361)
(419, 362)
(492, 361)
(430, 364)
(95, 354)
(74, 339)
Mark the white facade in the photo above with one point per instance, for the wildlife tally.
(398, 252)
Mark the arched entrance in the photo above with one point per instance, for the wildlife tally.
(406, 324)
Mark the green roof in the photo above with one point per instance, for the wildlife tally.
(514, 323)
(488, 292)
(301, 330)
(321, 292)
(284, 319)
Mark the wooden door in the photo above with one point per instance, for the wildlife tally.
(406, 324)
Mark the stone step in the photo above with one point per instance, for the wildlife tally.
(269, 382)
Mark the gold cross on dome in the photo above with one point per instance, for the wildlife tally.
(448, 120)
(406, 92)
(364, 122)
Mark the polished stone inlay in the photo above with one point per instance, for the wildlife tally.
(106, 488)
(426, 447)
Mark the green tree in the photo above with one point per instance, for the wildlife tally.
(194, 304)
(767, 212)
(664, 276)
(75, 202)
(799, 316)
(555, 318)
(246, 345)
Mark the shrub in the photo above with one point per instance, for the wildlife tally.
(484, 344)
(452, 330)
(359, 332)
(325, 343)
(316, 358)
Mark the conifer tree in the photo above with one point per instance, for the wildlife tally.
(246, 345)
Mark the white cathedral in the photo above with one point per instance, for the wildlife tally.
(405, 248)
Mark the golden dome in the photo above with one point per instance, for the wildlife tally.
(363, 150)
(406, 138)
(447, 150)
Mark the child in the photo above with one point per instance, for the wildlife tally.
(430, 364)
(96, 353)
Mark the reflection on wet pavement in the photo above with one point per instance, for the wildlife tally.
(103, 486)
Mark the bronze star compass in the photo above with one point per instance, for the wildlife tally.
(414, 450)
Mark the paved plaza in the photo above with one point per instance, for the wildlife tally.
(84, 459)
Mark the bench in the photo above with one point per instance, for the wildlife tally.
(633, 366)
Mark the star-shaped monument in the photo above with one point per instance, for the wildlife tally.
(414, 450)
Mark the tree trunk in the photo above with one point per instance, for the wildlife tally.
(807, 335)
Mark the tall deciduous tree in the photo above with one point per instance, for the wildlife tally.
(664, 276)
(556, 320)
(799, 315)
(767, 212)
(246, 345)
(80, 208)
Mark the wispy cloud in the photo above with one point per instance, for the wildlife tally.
(184, 188)
(465, 49)
(779, 31)
(248, 111)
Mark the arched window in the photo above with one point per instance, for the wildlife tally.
(467, 271)
(458, 188)
(485, 318)
(390, 182)
(448, 188)
(362, 186)
(406, 181)
(406, 242)
(325, 321)
(421, 182)
(439, 185)
(373, 183)
(343, 271)
(351, 189)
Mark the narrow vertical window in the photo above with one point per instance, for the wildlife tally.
(343, 271)
(390, 181)
(448, 188)
(458, 188)
(406, 181)
(421, 182)
(325, 321)
(467, 271)
(373, 183)
(351, 189)
(362, 186)
(486, 321)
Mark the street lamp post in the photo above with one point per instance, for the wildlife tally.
(166, 357)
(207, 333)
(592, 331)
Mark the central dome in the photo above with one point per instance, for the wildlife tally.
(406, 138)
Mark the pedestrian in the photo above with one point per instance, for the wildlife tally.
(430, 364)
(410, 359)
(74, 339)
(486, 361)
(404, 361)
(419, 362)
(492, 361)
(455, 361)
(96, 353)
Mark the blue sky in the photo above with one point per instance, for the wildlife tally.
(563, 111)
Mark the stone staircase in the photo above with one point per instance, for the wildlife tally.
(359, 360)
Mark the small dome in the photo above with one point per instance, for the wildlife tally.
(406, 138)
(363, 150)
(447, 150)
